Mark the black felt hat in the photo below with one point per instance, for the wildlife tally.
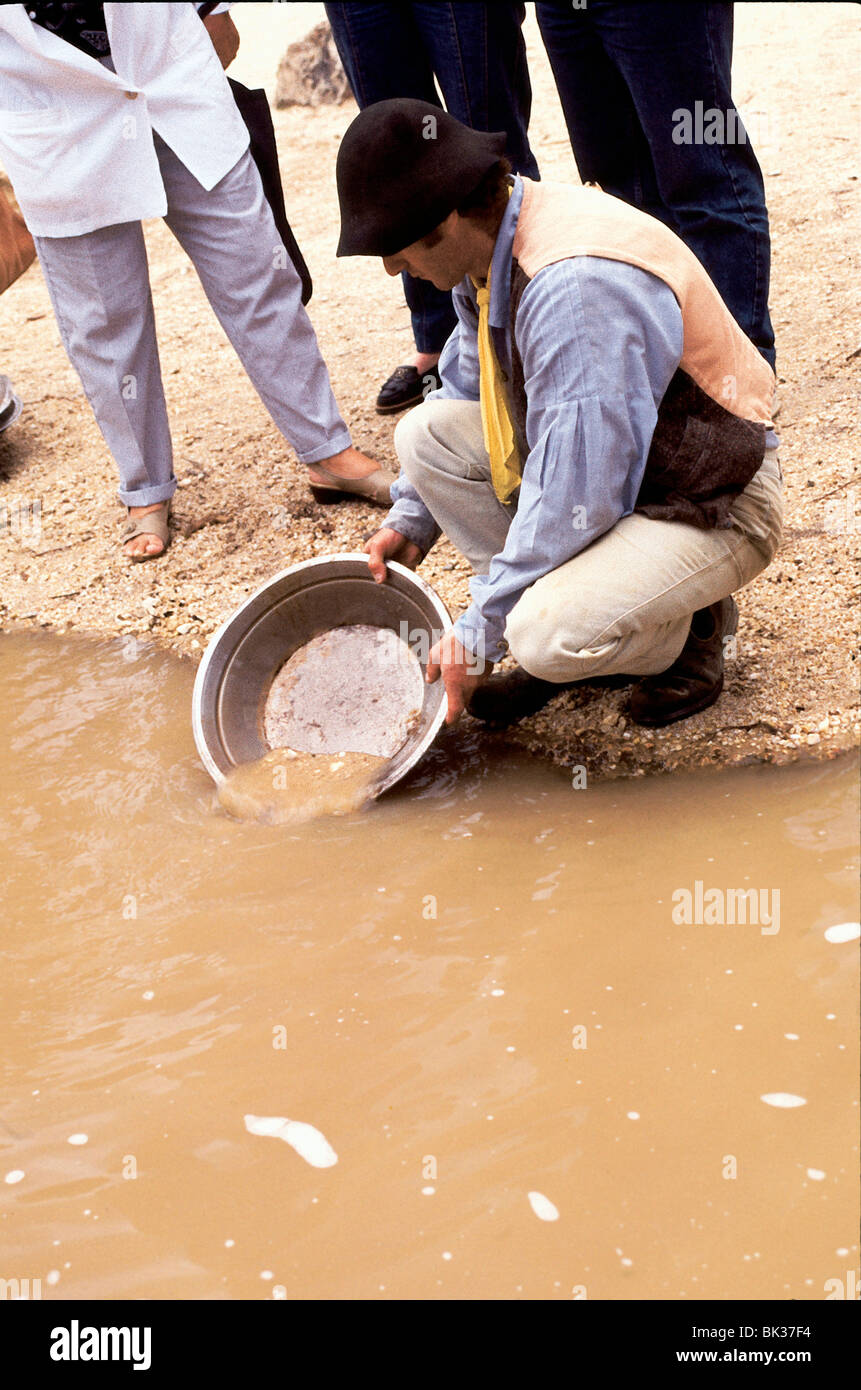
(402, 167)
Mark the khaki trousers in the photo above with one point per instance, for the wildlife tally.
(624, 604)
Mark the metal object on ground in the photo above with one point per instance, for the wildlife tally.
(365, 675)
(10, 404)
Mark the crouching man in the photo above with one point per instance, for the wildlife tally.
(601, 449)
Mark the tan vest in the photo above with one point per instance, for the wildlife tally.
(710, 436)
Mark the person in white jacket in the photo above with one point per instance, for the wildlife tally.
(117, 112)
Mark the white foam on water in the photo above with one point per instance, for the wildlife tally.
(308, 1142)
(783, 1100)
(14, 1175)
(816, 1174)
(543, 1207)
(77, 1139)
(843, 931)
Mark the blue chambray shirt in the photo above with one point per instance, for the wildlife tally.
(599, 341)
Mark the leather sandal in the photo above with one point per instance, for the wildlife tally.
(375, 487)
(695, 679)
(153, 524)
(406, 386)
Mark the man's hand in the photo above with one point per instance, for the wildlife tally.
(461, 671)
(387, 544)
(224, 35)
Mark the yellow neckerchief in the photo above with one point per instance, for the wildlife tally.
(505, 465)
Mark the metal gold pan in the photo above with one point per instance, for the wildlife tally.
(284, 614)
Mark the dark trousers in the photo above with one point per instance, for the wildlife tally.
(624, 73)
(477, 55)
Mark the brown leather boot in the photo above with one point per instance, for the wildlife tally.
(695, 679)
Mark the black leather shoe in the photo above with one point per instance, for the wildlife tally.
(406, 386)
(695, 679)
(512, 695)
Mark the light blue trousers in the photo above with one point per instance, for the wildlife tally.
(99, 288)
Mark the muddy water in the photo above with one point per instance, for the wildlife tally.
(285, 787)
(454, 1047)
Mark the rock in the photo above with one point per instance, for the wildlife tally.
(310, 73)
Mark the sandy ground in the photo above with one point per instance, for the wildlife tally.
(243, 510)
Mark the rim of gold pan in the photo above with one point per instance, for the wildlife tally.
(280, 618)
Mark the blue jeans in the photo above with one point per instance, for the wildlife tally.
(477, 55)
(624, 72)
